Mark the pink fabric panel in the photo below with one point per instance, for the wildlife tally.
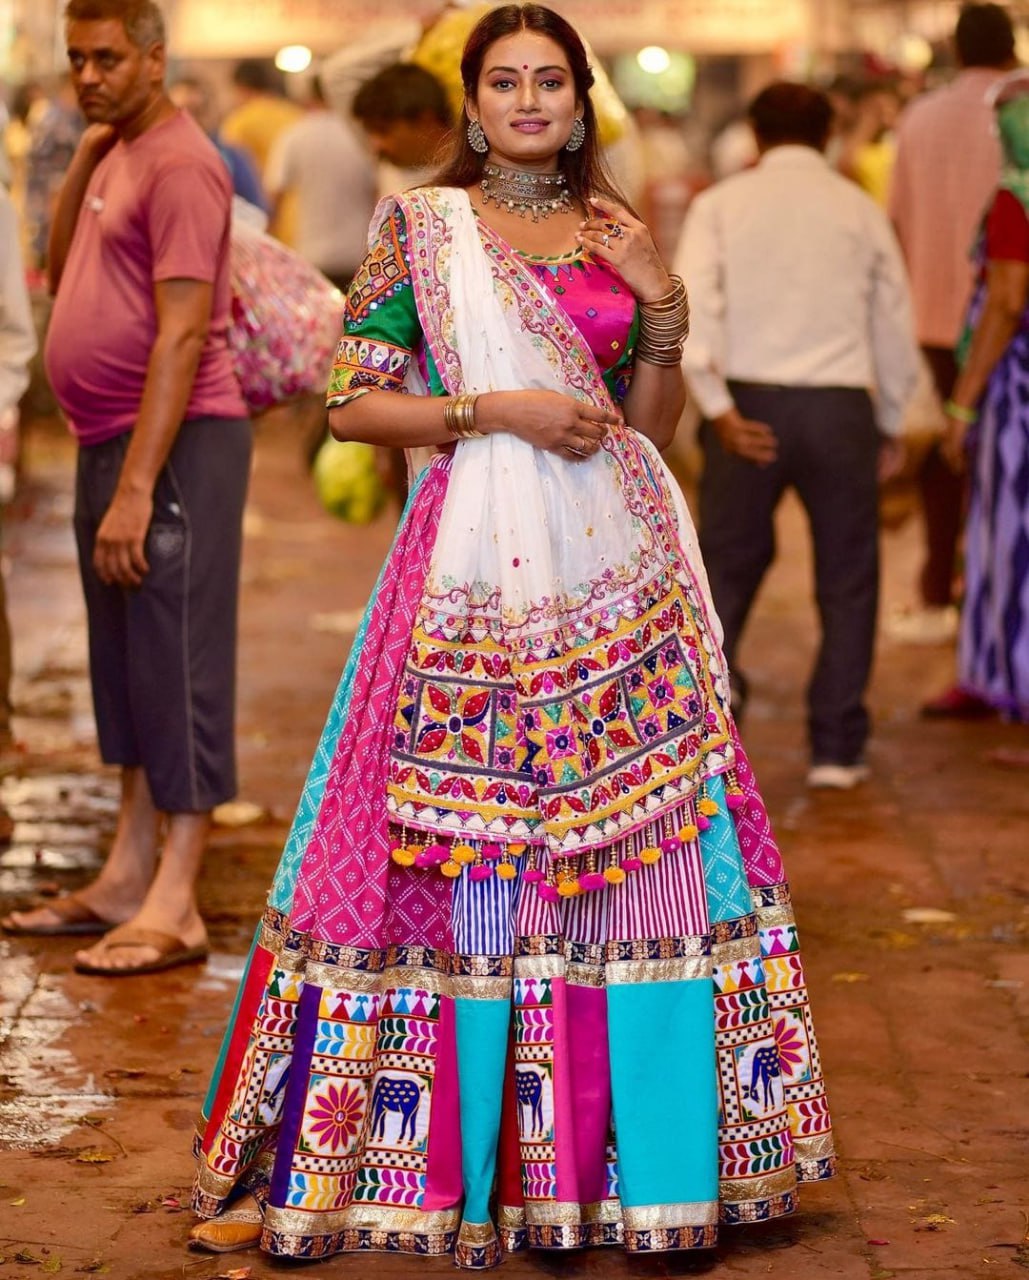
(443, 1185)
(342, 886)
(589, 1068)
(761, 858)
(564, 1096)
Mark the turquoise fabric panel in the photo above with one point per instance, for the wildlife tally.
(664, 1091)
(728, 893)
(482, 1039)
(230, 1031)
(281, 894)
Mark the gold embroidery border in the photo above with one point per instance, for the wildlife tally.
(362, 1217)
(738, 949)
(817, 1147)
(475, 1234)
(740, 1190)
(560, 1213)
(774, 917)
(684, 969)
(539, 966)
(655, 1217)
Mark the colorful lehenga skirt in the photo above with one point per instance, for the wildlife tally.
(464, 1035)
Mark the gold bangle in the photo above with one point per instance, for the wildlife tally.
(459, 416)
(652, 357)
(664, 327)
(671, 298)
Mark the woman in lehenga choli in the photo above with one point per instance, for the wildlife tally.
(529, 973)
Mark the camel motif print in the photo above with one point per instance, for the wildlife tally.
(529, 1091)
(269, 1104)
(764, 1071)
(401, 1095)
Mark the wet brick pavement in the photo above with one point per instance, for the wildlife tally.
(922, 1024)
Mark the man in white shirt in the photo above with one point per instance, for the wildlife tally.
(323, 161)
(802, 359)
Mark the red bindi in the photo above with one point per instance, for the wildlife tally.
(525, 66)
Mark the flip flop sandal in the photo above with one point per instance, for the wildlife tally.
(234, 1229)
(74, 918)
(171, 952)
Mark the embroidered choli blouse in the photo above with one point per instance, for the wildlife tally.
(382, 333)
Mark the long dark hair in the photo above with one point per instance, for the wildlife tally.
(585, 169)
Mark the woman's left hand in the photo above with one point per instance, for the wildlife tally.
(615, 236)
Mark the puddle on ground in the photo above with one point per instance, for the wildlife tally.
(44, 1092)
(222, 970)
(60, 824)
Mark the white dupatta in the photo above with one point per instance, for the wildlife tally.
(527, 538)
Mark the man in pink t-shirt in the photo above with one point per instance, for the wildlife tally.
(137, 356)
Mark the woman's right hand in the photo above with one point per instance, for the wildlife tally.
(546, 420)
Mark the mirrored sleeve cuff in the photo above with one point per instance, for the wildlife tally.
(365, 364)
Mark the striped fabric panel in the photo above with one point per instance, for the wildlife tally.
(484, 914)
(664, 900)
(585, 917)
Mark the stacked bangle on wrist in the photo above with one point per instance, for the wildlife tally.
(664, 326)
(459, 417)
(961, 412)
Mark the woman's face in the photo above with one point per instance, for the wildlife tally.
(525, 101)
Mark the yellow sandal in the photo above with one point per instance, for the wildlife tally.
(234, 1229)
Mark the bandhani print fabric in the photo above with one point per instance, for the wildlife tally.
(529, 974)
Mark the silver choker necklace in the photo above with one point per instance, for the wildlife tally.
(538, 194)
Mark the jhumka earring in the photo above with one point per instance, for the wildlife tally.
(577, 136)
(476, 138)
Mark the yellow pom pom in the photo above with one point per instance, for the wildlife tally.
(403, 857)
(516, 850)
(708, 807)
(450, 869)
(650, 855)
(506, 870)
(614, 875)
(687, 833)
(569, 888)
(463, 853)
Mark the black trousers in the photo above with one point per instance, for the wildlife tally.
(162, 656)
(944, 497)
(828, 447)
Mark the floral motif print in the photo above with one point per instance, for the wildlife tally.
(335, 1117)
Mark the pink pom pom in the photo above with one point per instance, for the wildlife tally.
(480, 872)
(492, 852)
(631, 864)
(533, 876)
(425, 859)
(592, 880)
(733, 800)
(672, 844)
(703, 822)
(548, 892)
(436, 855)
